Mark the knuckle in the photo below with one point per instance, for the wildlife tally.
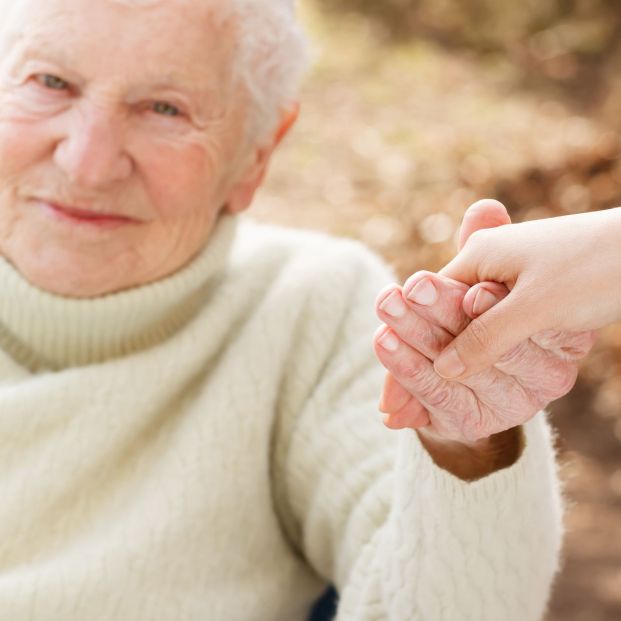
(441, 397)
(557, 383)
(565, 381)
(425, 338)
(565, 345)
(408, 369)
(578, 346)
(423, 383)
(590, 340)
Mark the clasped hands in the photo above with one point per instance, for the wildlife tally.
(470, 427)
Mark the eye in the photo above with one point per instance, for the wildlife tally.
(52, 82)
(166, 109)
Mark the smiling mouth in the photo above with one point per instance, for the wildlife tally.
(85, 216)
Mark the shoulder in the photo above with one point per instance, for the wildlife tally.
(313, 258)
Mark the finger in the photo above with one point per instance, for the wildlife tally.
(564, 344)
(487, 338)
(400, 407)
(412, 416)
(484, 214)
(427, 338)
(394, 396)
(483, 404)
(482, 296)
(412, 370)
(542, 363)
(437, 299)
(404, 409)
(463, 267)
(544, 374)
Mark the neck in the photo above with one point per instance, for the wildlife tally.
(42, 331)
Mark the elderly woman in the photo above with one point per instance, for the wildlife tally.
(188, 418)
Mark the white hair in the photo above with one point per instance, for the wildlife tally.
(271, 59)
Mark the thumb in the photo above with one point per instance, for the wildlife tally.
(484, 214)
(486, 339)
(464, 266)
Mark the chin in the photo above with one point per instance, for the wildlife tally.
(76, 276)
(74, 285)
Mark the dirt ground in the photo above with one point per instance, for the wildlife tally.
(393, 144)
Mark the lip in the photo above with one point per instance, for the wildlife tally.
(88, 217)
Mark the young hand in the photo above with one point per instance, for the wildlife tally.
(564, 274)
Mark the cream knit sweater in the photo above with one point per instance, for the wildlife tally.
(208, 448)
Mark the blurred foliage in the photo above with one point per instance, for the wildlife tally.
(570, 44)
(414, 109)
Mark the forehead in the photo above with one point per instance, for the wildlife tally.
(185, 39)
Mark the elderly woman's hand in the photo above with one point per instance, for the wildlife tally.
(420, 321)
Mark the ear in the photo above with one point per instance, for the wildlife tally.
(245, 187)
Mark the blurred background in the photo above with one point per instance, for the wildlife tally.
(416, 108)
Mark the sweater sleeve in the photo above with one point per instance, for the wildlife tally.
(367, 507)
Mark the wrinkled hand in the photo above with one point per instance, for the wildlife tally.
(506, 395)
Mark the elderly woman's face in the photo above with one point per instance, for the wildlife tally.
(119, 139)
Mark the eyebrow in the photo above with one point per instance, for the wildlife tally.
(37, 45)
(43, 49)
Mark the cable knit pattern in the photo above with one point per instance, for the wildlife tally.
(209, 447)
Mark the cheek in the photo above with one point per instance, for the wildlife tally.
(26, 105)
(181, 180)
(22, 145)
(25, 135)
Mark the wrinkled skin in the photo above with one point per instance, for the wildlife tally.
(523, 382)
(129, 115)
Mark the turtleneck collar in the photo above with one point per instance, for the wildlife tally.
(43, 331)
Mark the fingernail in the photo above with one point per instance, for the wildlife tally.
(483, 301)
(448, 365)
(424, 293)
(389, 342)
(394, 305)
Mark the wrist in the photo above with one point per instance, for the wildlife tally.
(475, 460)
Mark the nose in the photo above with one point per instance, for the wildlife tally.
(92, 151)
